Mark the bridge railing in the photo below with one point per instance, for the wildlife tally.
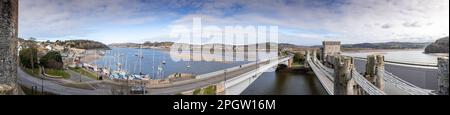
(324, 78)
(253, 73)
(215, 73)
(236, 84)
(367, 86)
(211, 74)
(405, 86)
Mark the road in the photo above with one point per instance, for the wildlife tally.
(196, 83)
(55, 87)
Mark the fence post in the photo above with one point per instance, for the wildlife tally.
(443, 75)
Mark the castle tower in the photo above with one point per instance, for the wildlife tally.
(330, 49)
(8, 45)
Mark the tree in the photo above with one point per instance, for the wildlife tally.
(53, 60)
(32, 39)
(299, 58)
(28, 57)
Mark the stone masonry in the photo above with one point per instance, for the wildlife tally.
(329, 50)
(443, 75)
(8, 44)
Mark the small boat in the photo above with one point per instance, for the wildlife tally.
(118, 75)
(163, 62)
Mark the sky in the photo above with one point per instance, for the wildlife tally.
(300, 22)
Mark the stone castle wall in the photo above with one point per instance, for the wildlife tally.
(8, 45)
(330, 49)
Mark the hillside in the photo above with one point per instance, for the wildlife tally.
(145, 44)
(83, 44)
(124, 45)
(440, 46)
(387, 45)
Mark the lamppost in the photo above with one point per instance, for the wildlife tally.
(80, 63)
(42, 76)
(225, 72)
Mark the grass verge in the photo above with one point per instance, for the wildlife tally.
(56, 72)
(85, 72)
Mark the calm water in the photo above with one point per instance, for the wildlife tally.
(269, 83)
(285, 83)
(153, 58)
(411, 56)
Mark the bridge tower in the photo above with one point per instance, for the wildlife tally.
(314, 55)
(375, 70)
(329, 50)
(443, 75)
(308, 56)
(344, 83)
(290, 62)
(8, 46)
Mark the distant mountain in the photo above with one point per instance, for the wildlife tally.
(387, 45)
(440, 46)
(287, 45)
(169, 44)
(83, 44)
(145, 44)
(158, 44)
(125, 45)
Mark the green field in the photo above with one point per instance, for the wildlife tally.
(85, 72)
(56, 72)
(30, 72)
(210, 90)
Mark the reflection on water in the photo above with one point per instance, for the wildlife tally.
(285, 83)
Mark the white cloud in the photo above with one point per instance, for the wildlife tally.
(354, 20)
(61, 18)
(350, 21)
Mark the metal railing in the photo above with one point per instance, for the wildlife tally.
(405, 86)
(368, 87)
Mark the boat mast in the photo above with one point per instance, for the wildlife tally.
(153, 63)
(140, 59)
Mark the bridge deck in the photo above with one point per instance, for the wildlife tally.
(324, 79)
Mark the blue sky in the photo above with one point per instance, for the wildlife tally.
(301, 22)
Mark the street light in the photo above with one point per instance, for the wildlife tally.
(80, 69)
(42, 76)
(225, 76)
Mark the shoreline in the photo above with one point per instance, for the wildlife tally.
(197, 55)
(393, 50)
(377, 50)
